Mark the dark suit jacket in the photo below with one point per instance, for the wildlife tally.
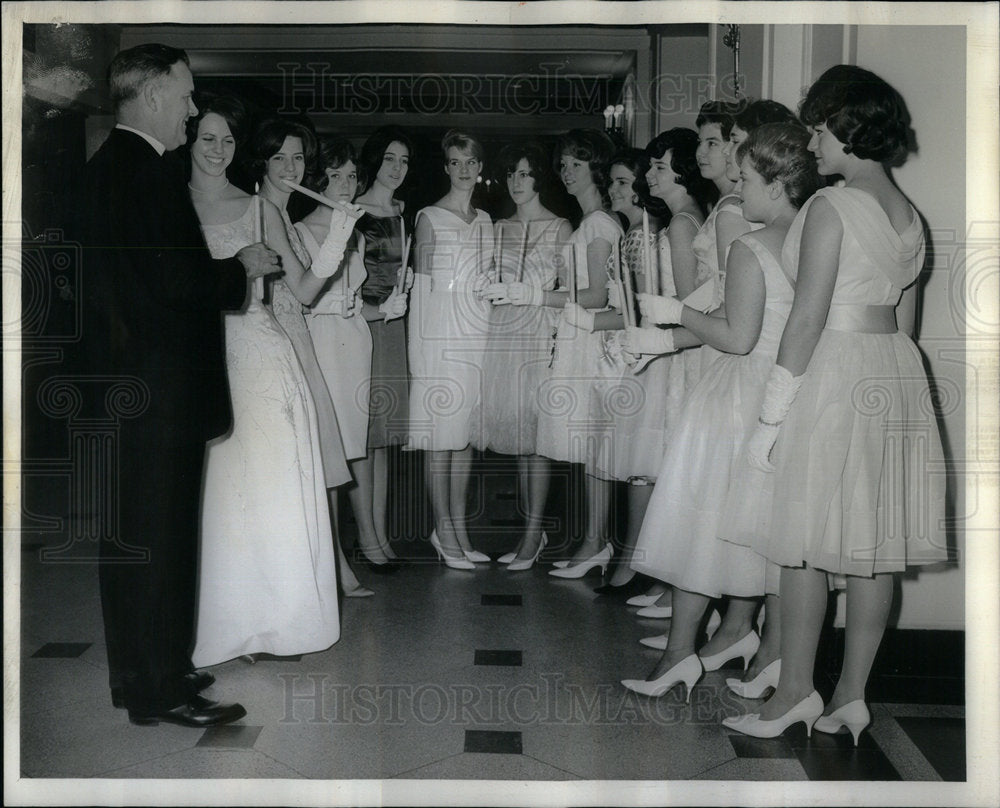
(153, 296)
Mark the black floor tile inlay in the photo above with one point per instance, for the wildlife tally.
(231, 736)
(487, 657)
(942, 742)
(61, 650)
(493, 742)
(501, 600)
(746, 747)
(834, 757)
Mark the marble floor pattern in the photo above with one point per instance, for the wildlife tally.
(443, 675)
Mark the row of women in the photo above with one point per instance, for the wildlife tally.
(762, 400)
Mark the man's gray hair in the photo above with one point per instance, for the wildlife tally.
(131, 69)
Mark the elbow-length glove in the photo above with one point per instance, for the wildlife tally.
(579, 317)
(331, 253)
(779, 394)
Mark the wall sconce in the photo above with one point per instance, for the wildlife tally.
(614, 117)
(732, 41)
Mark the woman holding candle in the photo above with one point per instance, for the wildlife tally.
(453, 248)
(280, 152)
(340, 335)
(674, 181)
(845, 411)
(678, 542)
(520, 335)
(384, 162)
(268, 570)
(582, 157)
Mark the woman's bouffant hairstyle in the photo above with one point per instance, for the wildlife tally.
(229, 107)
(372, 152)
(720, 112)
(780, 151)
(591, 146)
(546, 183)
(332, 151)
(463, 141)
(634, 160)
(682, 144)
(862, 111)
(763, 110)
(269, 137)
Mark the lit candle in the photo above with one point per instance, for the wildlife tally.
(522, 253)
(647, 261)
(351, 210)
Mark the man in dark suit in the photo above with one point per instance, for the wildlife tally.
(153, 300)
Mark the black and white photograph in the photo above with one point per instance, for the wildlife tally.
(568, 402)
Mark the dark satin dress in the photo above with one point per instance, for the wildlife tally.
(389, 397)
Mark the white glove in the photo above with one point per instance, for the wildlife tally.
(579, 317)
(662, 310)
(394, 306)
(523, 294)
(496, 293)
(331, 253)
(653, 341)
(779, 394)
(481, 283)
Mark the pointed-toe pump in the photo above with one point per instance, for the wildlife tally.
(744, 647)
(600, 559)
(854, 715)
(643, 600)
(476, 557)
(527, 563)
(659, 642)
(656, 612)
(756, 687)
(806, 711)
(506, 558)
(687, 671)
(452, 563)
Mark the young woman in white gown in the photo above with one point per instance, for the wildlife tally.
(286, 150)
(679, 541)
(582, 157)
(672, 178)
(340, 335)
(520, 338)
(856, 448)
(268, 579)
(448, 325)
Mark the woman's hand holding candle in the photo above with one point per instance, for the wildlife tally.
(653, 341)
(579, 317)
(394, 306)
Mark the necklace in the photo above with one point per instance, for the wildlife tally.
(220, 189)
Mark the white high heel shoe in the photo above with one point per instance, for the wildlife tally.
(659, 642)
(688, 671)
(756, 687)
(643, 600)
(527, 563)
(600, 559)
(453, 563)
(506, 558)
(476, 557)
(744, 647)
(656, 612)
(854, 715)
(806, 711)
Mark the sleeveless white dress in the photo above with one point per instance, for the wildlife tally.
(447, 333)
(859, 486)
(343, 347)
(268, 578)
(678, 542)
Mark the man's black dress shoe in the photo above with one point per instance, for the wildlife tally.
(199, 712)
(198, 680)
